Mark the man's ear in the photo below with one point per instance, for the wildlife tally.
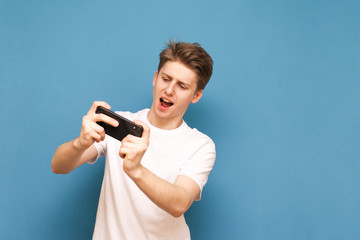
(197, 96)
(155, 77)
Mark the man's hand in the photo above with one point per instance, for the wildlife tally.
(91, 131)
(174, 198)
(76, 152)
(133, 149)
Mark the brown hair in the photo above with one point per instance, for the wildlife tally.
(191, 55)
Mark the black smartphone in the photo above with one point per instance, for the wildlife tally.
(124, 128)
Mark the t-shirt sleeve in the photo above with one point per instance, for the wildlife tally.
(198, 167)
(101, 150)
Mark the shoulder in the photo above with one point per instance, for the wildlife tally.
(200, 138)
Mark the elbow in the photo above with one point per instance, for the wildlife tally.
(179, 211)
(182, 204)
(53, 168)
(56, 170)
(177, 214)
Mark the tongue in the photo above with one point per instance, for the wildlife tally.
(165, 104)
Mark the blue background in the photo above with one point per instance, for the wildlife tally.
(282, 107)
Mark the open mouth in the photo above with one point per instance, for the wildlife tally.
(166, 103)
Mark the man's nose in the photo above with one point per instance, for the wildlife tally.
(170, 88)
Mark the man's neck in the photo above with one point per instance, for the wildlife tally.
(166, 124)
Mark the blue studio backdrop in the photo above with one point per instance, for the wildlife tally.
(283, 108)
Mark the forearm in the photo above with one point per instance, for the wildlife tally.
(172, 198)
(67, 157)
(72, 154)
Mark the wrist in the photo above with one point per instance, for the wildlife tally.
(135, 174)
(77, 145)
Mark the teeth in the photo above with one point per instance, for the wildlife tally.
(165, 100)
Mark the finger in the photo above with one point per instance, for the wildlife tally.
(90, 125)
(98, 129)
(98, 138)
(97, 104)
(146, 132)
(122, 152)
(130, 139)
(129, 145)
(94, 136)
(106, 119)
(128, 153)
(92, 130)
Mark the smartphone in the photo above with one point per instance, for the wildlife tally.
(124, 128)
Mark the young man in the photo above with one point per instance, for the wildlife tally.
(150, 182)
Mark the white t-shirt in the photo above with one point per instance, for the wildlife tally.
(124, 211)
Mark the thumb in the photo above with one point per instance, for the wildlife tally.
(146, 132)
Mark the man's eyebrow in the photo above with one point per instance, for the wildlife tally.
(184, 83)
(167, 75)
(179, 81)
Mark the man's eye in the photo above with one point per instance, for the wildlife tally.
(166, 80)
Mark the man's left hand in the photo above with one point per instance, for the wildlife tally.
(133, 149)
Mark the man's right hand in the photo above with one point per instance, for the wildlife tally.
(80, 150)
(91, 131)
